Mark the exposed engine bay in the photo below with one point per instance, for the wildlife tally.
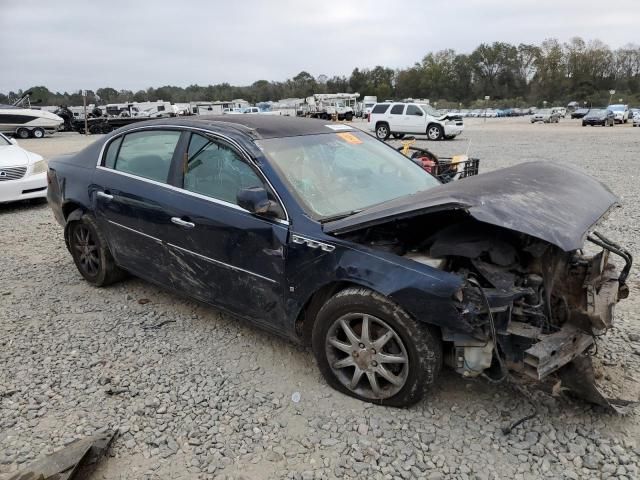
(525, 304)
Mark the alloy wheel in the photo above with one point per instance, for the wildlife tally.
(434, 133)
(86, 250)
(382, 132)
(367, 356)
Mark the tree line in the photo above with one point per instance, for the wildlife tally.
(511, 75)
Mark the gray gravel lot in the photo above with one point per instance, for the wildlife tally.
(207, 396)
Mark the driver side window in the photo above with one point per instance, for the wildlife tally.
(215, 170)
(414, 110)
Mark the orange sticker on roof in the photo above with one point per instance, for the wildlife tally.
(349, 137)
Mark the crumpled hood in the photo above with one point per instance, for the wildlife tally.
(549, 201)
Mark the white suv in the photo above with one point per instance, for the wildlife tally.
(398, 119)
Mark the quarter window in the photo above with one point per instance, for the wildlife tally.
(215, 170)
(146, 154)
(397, 109)
(380, 108)
(112, 152)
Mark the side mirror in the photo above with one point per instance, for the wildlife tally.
(256, 200)
(13, 140)
(418, 114)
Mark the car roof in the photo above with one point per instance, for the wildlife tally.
(255, 126)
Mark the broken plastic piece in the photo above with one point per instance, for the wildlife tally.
(66, 462)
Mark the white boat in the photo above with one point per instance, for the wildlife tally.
(22, 121)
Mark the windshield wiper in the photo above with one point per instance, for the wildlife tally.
(339, 216)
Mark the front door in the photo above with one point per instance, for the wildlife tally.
(218, 251)
(414, 120)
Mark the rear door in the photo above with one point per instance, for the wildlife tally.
(129, 193)
(396, 119)
(219, 252)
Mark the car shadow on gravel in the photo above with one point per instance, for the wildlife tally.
(16, 207)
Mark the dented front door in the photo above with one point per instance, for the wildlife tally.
(226, 256)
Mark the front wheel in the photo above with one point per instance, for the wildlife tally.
(369, 348)
(382, 131)
(91, 253)
(435, 132)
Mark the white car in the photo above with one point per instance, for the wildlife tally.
(636, 119)
(620, 112)
(23, 174)
(398, 119)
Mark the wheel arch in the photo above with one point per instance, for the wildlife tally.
(306, 317)
(72, 212)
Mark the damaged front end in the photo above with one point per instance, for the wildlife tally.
(536, 309)
(532, 299)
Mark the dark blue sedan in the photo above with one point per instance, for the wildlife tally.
(319, 232)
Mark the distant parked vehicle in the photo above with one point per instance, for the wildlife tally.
(561, 111)
(367, 104)
(23, 174)
(636, 117)
(620, 112)
(579, 113)
(599, 116)
(398, 119)
(546, 116)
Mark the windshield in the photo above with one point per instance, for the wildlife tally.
(4, 141)
(337, 174)
(616, 108)
(428, 109)
(595, 113)
(543, 112)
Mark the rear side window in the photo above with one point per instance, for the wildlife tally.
(397, 109)
(380, 108)
(147, 154)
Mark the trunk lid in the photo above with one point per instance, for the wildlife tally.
(550, 201)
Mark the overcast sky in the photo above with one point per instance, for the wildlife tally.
(134, 44)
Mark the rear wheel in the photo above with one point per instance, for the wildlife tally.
(370, 348)
(382, 131)
(435, 132)
(398, 136)
(348, 116)
(23, 133)
(91, 253)
(38, 133)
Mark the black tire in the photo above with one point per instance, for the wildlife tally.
(419, 344)
(23, 133)
(38, 132)
(91, 253)
(398, 136)
(435, 132)
(348, 116)
(382, 131)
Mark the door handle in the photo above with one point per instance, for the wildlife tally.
(182, 223)
(104, 195)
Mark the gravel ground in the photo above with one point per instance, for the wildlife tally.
(206, 396)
